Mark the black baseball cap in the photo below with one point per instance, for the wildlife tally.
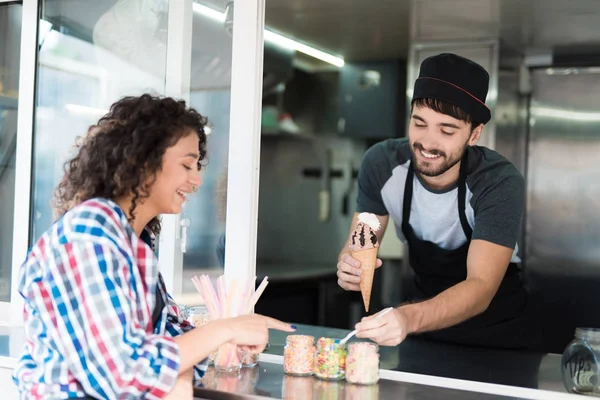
(455, 80)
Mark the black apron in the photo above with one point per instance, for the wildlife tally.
(504, 324)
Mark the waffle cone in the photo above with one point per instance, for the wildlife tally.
(368, 260)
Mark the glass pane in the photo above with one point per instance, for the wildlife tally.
(91, 54)
(210, 95)
(10, 49)
(308, 162)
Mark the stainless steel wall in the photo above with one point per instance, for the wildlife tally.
(289, 228)
(510, 117)
(563, 226)
(562, 232)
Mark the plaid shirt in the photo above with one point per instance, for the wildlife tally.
(89, 286)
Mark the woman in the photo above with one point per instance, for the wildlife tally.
(98, 321)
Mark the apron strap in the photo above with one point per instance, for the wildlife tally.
(462, 196)
(407, 202)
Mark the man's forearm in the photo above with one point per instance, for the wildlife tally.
(454, 305)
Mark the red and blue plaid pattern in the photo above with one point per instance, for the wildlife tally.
(89, 286)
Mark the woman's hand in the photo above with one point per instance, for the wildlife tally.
(183, 389)
(251, 332)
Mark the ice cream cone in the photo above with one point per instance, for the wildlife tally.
(368, 260)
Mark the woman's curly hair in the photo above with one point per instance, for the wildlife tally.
(121, 155)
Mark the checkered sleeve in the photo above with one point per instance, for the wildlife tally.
(110, 348)
(176, 326)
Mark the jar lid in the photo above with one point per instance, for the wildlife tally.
(588, 333)
(363, 347)
(197, 310)
(300, 340)
(329, 343)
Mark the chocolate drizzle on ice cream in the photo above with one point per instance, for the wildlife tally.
(363, 238)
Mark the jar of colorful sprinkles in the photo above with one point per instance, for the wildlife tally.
(299, 355)
(330, 359)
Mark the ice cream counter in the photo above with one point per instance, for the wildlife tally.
(417, 369)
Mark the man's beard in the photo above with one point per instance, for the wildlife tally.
(427, 169)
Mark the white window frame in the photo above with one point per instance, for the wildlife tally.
(12, 311)
(241, 227)
(244, 148)
(178, 80)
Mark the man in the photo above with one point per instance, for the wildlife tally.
(458, 207)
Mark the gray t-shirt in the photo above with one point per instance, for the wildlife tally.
(494, 197)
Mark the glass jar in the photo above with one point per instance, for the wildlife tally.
(228, 359)
(199, 316)
(249, 359)
(362, 363)
(330, 359)
(580, 362)
(299, 355)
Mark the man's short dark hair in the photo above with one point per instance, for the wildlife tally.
(447, 109)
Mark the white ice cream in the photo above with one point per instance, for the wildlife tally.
(369, 219)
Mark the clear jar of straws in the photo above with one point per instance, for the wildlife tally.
(229, 298)
(228, 359)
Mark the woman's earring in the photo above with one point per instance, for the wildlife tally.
(194, 188)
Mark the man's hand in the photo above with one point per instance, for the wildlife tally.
(348, 272)
(389, 330)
